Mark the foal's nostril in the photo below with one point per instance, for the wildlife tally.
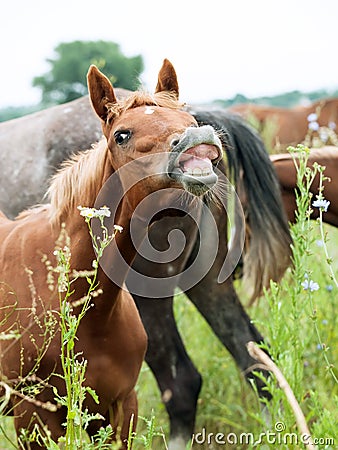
(174, 142)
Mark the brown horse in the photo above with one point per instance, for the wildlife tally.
(57, 131)
(149, 135)
(286, 173)
(290, 126)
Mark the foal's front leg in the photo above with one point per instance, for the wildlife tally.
(122, 417)
(27, 416)
(176, 376)
(130, 416)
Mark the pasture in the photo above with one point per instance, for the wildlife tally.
(300, 326)
(296, 316)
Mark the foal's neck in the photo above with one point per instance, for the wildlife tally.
(117, 257)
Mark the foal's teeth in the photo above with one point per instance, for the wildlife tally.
(197, 171)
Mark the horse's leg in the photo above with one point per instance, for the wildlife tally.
(176, 376)
(219, 303)
(27, 416)
(220, 306)
(129, 411)
(121, 415)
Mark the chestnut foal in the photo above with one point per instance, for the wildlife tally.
(150, 145)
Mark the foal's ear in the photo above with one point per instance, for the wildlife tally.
(101, 91)
(167, 79)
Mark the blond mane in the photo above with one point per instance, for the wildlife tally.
(78, 182)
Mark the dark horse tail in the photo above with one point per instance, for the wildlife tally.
(250, 168)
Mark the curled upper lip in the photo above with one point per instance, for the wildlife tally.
(196, 142)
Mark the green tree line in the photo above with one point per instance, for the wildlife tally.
(66, 79)
(284, 100)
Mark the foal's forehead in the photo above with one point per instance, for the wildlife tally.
(155, 116)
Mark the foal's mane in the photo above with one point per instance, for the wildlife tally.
(80, 179)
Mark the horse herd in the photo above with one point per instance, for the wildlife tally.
(160, 169)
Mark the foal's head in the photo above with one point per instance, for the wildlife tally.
(163, 142)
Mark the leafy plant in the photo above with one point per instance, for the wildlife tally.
(66, 79)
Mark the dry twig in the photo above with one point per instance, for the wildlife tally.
(258, 354)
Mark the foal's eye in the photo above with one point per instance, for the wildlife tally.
(122, 136)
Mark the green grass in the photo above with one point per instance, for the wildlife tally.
(296, 323)
(227, 404)
(301, 328)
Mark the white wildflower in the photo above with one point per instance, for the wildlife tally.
(321, 204)
(103, 212)
(310, 285)
(89, 213)
(314, 126)
(312, 117)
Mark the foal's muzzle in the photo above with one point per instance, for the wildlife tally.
(193, 157)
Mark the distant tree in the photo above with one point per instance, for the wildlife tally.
(13, 112)
(66, 80)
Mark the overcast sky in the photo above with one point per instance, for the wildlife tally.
(218, 47)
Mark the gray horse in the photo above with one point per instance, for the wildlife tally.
(32, 148)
